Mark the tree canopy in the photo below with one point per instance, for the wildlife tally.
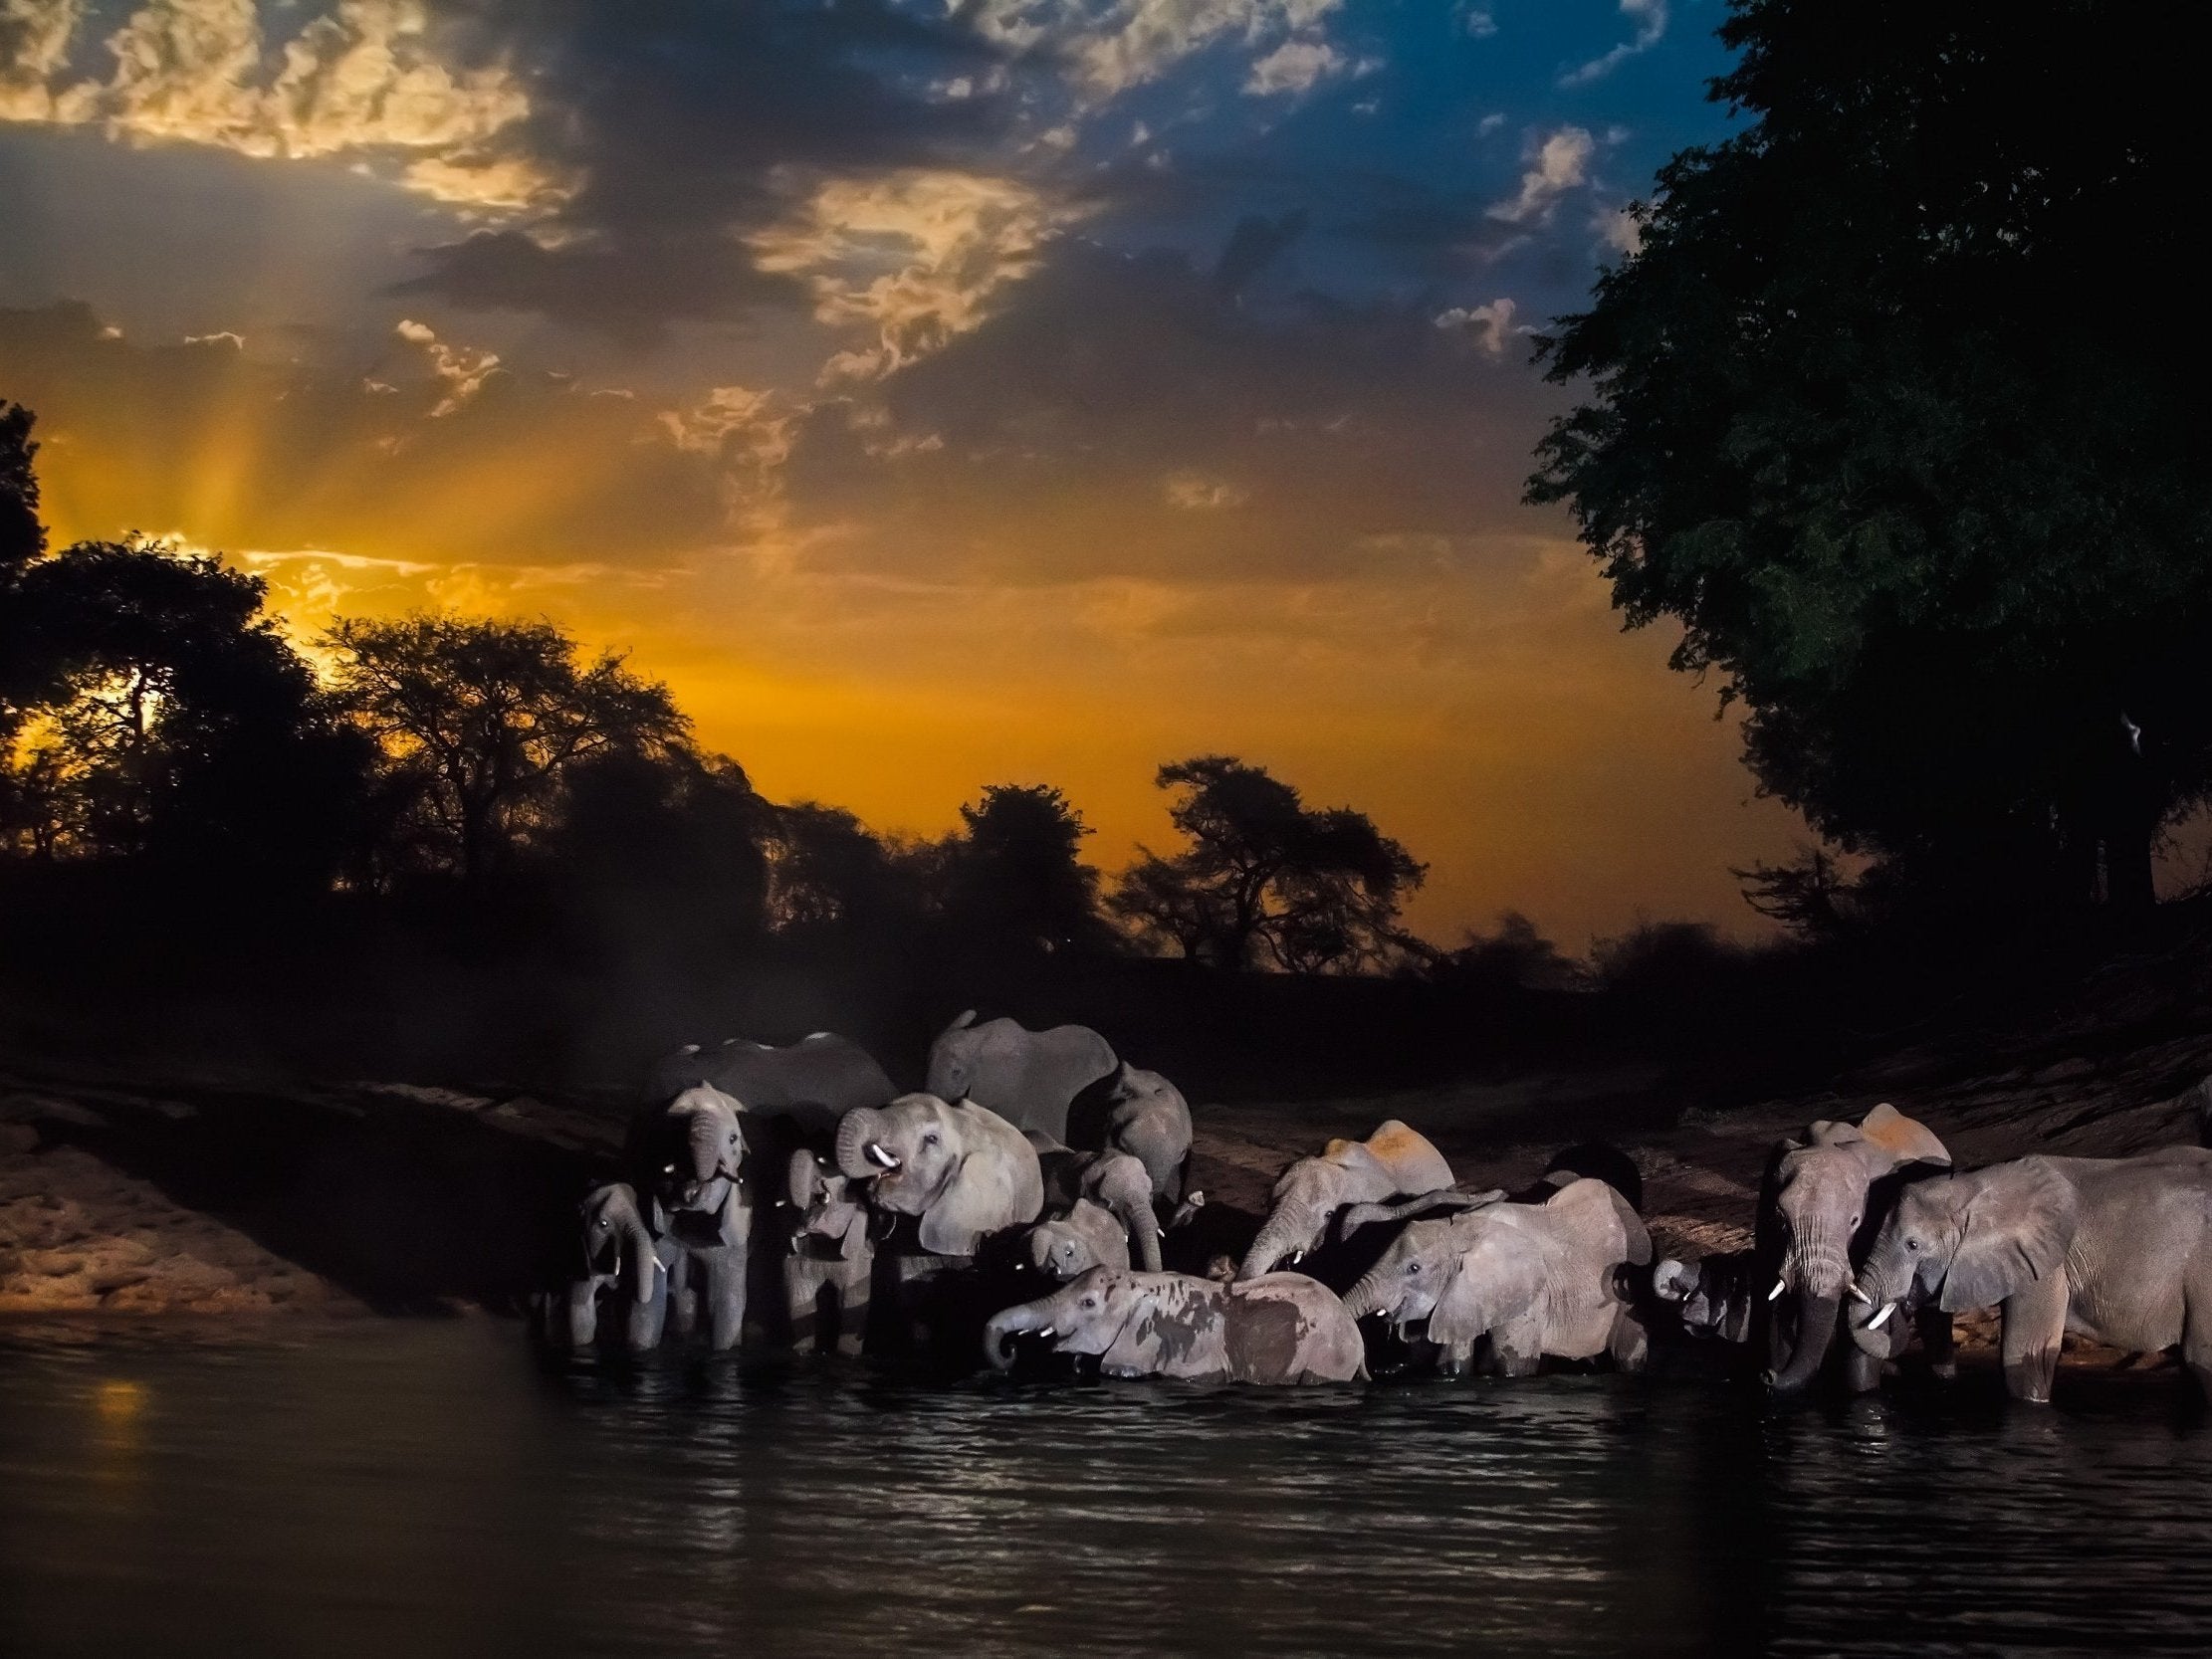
(1854, 421)
(1014, 880)
(1267, 879)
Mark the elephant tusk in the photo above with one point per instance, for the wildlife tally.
(1860, 1296)
(1046, 1331)
(1297, 1256)
(1780, 1285)
(668, 1168)
(1881, 1318)
(881, 1158)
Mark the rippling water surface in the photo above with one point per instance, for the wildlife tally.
(433, 1487)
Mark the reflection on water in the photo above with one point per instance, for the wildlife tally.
(430, 1489)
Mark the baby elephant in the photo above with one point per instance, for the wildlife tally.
(833, 1258)
(1712, 1295)
(1088, 1235)
(619, 1262)
(1278, 1329)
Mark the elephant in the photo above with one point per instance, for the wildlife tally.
(1537, 1279)
(619, 1259)
(1113, 1180)
(1085, 1237)
(1147, 1117)
(696, 1145)
(1029, 1078)
(1712, 1295)
(1827, 1192)
(814, 1081)
(1282, 1328)
(831, 1259)
(1394, 1159)
(964, 1172)
(2118, 1250)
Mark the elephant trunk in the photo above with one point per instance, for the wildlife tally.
(637, 1249)
(1144, 1231)
(1006, 1323)
(858, 1131)
(1366, 1297)
(702, 1142)
(1816, 1329)
(1287, 1232)
(1874, 1324)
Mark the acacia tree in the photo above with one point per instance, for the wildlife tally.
(1015, 878)
(484, 720)
(1847, 421)
(1264, 878)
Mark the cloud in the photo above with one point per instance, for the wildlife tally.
(1296, 65)
(1619, 228)
(1108, 50)
(1562, 164)
(1196, 493)
(1650, 18)
(1491, 326)
(1477, 21)
(367, 81)
(1489, 124)
(914, 258)
(464, 369)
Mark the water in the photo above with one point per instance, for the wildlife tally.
(432, 1488)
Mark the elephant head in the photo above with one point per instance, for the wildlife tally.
(1394, 1159)
(1405, 1284)
(616, 1241)
(698, 1156)
(1819, 1193)
(1966, 1241)
(1087, 1236)
(1709, 1294)
(1119, 1183)
(1136, 1324)
(966, 1172)
(829, 1206)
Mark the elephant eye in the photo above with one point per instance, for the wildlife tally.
(1090, 1302)
(1911, 1243)
(1412, 1268)
(930, 1140)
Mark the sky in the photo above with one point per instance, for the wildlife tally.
(934, 392)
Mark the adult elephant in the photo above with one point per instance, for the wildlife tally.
(1826, 1194)
(693, 1155)
(813, 1082)
(620, 1264)
(1281, 1329)
(1029, 1078)
(1147, 1117)
(2118, 1250)
(962, 1171)
(1394, 1159)
(1537, 1280)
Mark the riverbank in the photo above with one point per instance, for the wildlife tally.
(212, 1195)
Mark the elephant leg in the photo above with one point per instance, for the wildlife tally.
(1937, 1341)
(682, 1294)
(1862, 1371)
(1506, 1362)
(583, 1313)
(1631, 1344)
(803, 1297)
(1456, 1358)
(2034, 1327)
(648, 1312)
(724, 1295)
(852, 1312)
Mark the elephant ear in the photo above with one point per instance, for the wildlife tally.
(1598, 1226)
(1357, 1158)
(1830, 1132)
(962, 1021)
(2014, 1230)
(1907, 1139)
(1499, 1278)
(997, 1184)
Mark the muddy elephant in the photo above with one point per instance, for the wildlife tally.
(1029, 1078)
(2118, 1250)
(620, 1264)
(1281, 1329)
(1146, 1115)
(832, 1256)
(1826, 1194)
(813, 1082)
(1395, 1159)
(1084, 1236)
(693, 1150)
(1114, 1181)
(1538, 1280)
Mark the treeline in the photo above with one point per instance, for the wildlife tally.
(441, 817)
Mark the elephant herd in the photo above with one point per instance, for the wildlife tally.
(1032, 1202)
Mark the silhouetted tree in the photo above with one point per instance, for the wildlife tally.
(482, 721)
(1944, 537)
(1014, 880)
(827, 871)
(1515, 957)
(168, 717)
(22, 535)
(1315, 891)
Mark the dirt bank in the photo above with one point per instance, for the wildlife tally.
(219, 1195)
